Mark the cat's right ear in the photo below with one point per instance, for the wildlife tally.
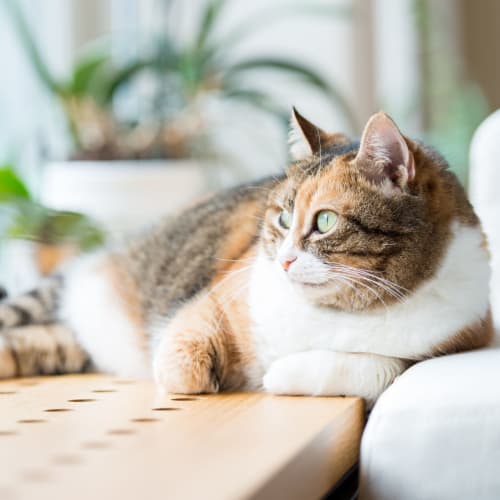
(307, 139)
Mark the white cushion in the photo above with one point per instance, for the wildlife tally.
(484, 193)
(435, 433)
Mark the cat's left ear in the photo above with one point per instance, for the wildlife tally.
(384, 155)
(307, 139)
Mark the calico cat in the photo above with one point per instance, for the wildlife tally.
(330, 279)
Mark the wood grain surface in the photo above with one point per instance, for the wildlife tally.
(93, 436)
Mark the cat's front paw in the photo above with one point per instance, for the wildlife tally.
(185, 366)
(287, 376)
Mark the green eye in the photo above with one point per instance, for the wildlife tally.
(326, 220)
(285, 219)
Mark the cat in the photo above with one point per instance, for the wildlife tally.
(330, 279)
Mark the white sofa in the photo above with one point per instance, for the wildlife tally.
(435, 433)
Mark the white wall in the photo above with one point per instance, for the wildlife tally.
(397, 72)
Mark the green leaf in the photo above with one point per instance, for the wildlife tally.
(25, 219)
(121, 76)
(208, 21)
(298, 70)
(30, 46)
(71, 227)
(22, 219)
(85, 72)
(11, 186)
(259, 100)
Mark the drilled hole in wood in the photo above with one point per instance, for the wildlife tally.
(184, 399)
(67, 459)
(121, 432)
(96, 445)
(144, 420)
(31, 421)
(81, 400)
(7, 393)
(99, 391)
(166, 408)
(8, 433)
(57, 410)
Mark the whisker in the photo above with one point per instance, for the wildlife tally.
(392, 291)
(364, 285)
(228, 298)
(356, 278)
(375, 275)
(229, 274)
(389, 286)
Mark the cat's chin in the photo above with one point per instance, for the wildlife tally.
(317, 291)
(309, 284)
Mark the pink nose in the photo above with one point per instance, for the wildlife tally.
(288, 262)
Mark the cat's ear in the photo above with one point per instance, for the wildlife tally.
(384, 155)
(307, 139)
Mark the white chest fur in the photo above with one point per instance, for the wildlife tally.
(284, 321)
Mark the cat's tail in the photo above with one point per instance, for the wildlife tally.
(38, 306)
(32, 340)
(49, 349)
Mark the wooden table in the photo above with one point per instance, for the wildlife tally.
(95, 437)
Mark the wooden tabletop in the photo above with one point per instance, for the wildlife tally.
(90, 437)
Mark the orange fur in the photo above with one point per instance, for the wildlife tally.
(475, 336)
(208, 345)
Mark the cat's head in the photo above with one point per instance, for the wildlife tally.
(357, 225)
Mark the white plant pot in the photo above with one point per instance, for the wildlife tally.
(124, 195)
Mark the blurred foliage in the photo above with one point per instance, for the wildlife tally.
(451, 105)
(11, 187)
(187, 76)
(452, 131)
(21, 217)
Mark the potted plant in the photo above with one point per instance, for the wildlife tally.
(35, 238)
(124, 170)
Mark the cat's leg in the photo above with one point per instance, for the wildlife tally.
(328, 373)
(40, 350)
(195, 353)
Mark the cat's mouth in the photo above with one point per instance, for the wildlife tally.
(330, 284)
(309, 284)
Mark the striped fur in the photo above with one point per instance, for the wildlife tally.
(37, 306)
(49, 349)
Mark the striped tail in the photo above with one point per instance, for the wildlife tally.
(49, 349)
(32, 341)
(39, 306)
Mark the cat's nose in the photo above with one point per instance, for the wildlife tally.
(286, 263)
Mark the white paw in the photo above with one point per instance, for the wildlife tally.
(287, 376)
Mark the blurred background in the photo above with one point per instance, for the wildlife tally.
(117, 111)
